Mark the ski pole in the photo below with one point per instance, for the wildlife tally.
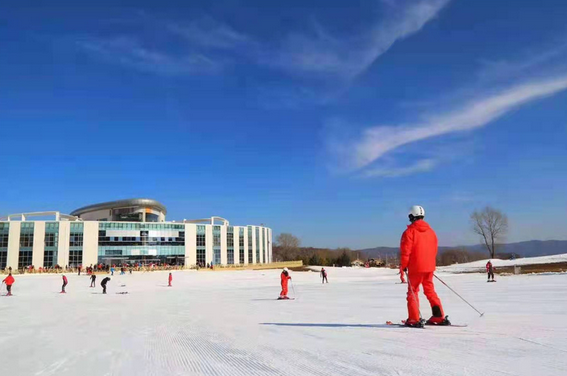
(293, 289)
(413, 295)
(464, 300)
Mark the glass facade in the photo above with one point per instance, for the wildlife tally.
(51, 244)
(250, 254)
(241, 244)
(230, 245)
(258, 246)
(216, 245)
(26, 244)
(4, 235)
(141, 242)
(201, 243)
(76, 245)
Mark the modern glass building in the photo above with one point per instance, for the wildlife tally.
(127, 231)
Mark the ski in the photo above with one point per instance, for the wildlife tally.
(403, 325)
(286, 299)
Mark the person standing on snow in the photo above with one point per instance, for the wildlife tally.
(9, 281)
(169, 280)
(64, 284)
(418, 255)
(285, 277)
(324, 276)
(93, 280)
(103, 284)
(490, 271)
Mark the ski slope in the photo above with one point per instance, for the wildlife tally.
(229, 323)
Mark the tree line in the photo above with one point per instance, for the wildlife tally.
(489, 223)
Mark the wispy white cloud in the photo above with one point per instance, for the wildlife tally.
(373, 143)
(502, 69)
(321, 53)
(394, 172)
(130, 52)
(207, 32)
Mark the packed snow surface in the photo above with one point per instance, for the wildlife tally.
(481, 265)
(229, 323)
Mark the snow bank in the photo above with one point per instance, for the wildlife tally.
(481, 265)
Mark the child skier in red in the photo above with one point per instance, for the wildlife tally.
(64, 284)
(418, 253)
(9, 281)
(170, 279)
(285, 277)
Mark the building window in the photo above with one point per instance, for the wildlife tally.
(201, 243)
(51, 242)
(258, 261)
(216, 245)
(26, 245)
(241, 245)
(76, 245)
(250, 254)
(4, 234)
(230, 245)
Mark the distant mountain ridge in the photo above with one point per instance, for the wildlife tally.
(531, 248)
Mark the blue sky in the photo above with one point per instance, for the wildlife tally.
(326, 122)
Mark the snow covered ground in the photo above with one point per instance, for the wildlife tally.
(228, 323)
(481, 265)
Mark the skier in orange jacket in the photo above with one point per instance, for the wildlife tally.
(418, 253)
(169, 280)
(285, 277)
(9, 281)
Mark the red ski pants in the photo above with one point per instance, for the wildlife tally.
(284, 290)
(425, 279)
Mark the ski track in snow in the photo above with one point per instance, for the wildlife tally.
(229, 323)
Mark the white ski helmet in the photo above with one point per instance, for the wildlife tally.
(417, 211)
(285, 270)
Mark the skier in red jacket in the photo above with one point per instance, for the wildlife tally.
(9, 281)
(285, 277)
(64, 284)
(418, 253)
(170, 279)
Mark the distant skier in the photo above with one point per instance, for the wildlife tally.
(490, 271)
(418, 252)
(9, 281)
(93, 280)
(169, 280)
(79, 269)
(324, 276)
(64, 284)
(103, 284)
(285, 277)
(112, 270)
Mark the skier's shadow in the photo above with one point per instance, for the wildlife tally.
(313, 325)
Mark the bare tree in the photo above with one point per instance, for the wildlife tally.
(286, 247)
(492, 225)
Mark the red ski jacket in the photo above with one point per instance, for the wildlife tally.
(170, 278)
(285, 278)
(418, 248)
(64, 279)
(9, 280)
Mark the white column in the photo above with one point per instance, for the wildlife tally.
(39, 244)
(267, 257)
(209, 243)
(224, 248)
(245, 245)
(271, 244)
(13, 245)
(63, 245)
(236, 245)
(90, 243)
(190, 244)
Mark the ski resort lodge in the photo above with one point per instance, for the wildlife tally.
(127, 231)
